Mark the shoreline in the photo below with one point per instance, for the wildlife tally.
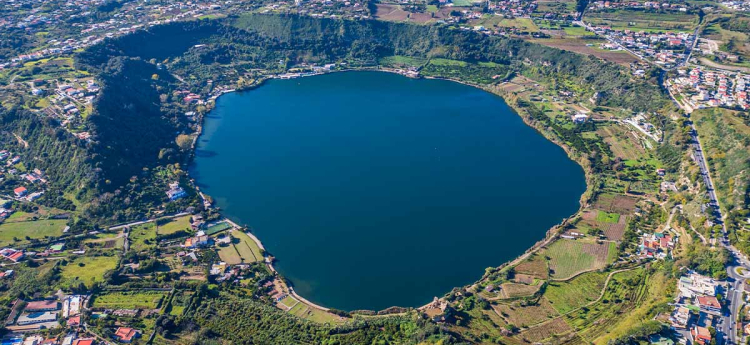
(550, 235)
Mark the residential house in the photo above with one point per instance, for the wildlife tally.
(20, 191)
(709, 304)
(701, 335)
(126, 335)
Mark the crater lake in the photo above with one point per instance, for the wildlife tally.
(373, 190)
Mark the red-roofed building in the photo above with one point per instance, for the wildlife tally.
(87, 341)
(20, 191)
(701, 335)
(16, 256)
(74, 320)
(709, 304)
(126, 335)
(45, 305)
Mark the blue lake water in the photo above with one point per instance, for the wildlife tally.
(374, 190)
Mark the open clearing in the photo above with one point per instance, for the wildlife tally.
(129, 300)
(37, 229)
(88, 269)
(580, 46)
(174, 225)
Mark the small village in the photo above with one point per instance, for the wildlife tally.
(702, 88)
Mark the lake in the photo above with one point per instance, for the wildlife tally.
(374, 190)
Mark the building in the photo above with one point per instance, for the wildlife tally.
(126, 335)
(44, 305)
(86, 341)
(175, 192)
(20, 191)
(680, 318)
(695, 284)
(709, 305)
(37, 317)
(701, 335)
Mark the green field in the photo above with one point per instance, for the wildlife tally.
(577, 292)
(175, 225)
(242, 250)
(570, 257)
(608, 217)
(623, 19)
(142, 236)
(400, 60)
(88, 269)
(38, 229)
(577, 31)
(129, 300)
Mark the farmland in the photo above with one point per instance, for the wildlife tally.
(574, 293)
(242, 250)
(625, 19)
(129, 300)
(570, 257)
(143, 236)
(173, 225)
(88, 269)
(525, 316)
(38, 229)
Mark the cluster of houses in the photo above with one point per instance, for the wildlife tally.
(737, 5)
(512, 8)
(696, 307)
(658, 245)
(648, 5)
(350, 9)
(34, 16)
(30, 180)
(705, 88)
(665, 49)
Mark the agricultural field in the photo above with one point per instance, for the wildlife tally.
(624, 292)
(621, 204)
(402, 61)
(587, 47)
(106, 240)
(515, 290)
(607, 217)
(570, 257)
(88, 269)
(621, 141)
(525, 316)
(625, 19)
(173, 225)
(493, 22)
(314, 315)
(242, 250)
(575, 293)
(129, 300)
(543, 331)
(534, 266)
(143, 236)
(13, 233)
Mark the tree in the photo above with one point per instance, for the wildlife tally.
(184, 141)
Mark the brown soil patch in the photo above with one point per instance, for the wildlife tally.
(580, 47)
(391, 13)
(525, 316)
(513, 290)
(535, 266)
(523, 279)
